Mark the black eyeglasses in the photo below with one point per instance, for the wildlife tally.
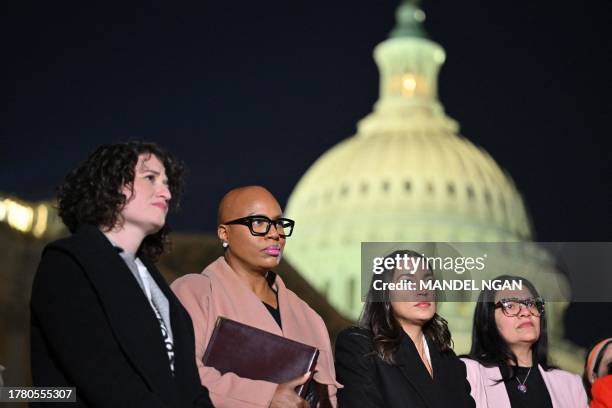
(511, 307)
(259, 225)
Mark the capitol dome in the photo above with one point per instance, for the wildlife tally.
(407, 175)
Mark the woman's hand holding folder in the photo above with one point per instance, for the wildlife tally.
(285, 395)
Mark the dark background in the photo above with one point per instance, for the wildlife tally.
(254, 92)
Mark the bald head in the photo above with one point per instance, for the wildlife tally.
(242, 201)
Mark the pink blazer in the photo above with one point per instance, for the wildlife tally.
(565, 389)
(218, 291)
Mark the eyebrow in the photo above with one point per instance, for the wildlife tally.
(155, 172)
(147, 170)
(263, 215)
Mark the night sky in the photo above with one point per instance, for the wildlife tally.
(254, 92)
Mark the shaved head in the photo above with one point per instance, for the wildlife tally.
(243, 249)
(237, 202)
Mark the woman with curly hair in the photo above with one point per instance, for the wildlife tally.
(103, 318)
(400, 355)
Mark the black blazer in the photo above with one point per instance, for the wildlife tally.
(370, 382)
(93, 328)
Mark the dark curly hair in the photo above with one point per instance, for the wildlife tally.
(91, 193)
(378, 317)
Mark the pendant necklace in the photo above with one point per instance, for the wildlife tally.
(522, 387)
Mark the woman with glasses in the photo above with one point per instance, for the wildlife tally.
(400, 355)
(508, 363)
(242, 286)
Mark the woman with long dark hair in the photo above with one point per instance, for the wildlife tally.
(508, 362)
(400, 354)
(103, 318)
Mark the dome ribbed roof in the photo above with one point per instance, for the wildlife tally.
(418, 177)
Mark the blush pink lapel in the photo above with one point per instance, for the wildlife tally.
(565, 389)
(235, 300)
(238, 300)
(550, 386)
(497, 396)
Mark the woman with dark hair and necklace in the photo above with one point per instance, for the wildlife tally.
(400, 355)
(508, 362)
(103, 318)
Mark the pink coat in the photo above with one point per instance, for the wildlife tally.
(218, 291)
(565, 389)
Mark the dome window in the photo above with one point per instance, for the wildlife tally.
(364, 188)
(450, 188)
(386, 186)
(470, 192)
(430, 188)
(407, 186)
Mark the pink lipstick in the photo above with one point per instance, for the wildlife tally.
(162, 206)
(272, 250)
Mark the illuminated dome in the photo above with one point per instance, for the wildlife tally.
(407, 175)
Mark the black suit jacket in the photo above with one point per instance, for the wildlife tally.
(93, 328)
(370, 382)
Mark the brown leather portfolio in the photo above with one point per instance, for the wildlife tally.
(252, 353)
